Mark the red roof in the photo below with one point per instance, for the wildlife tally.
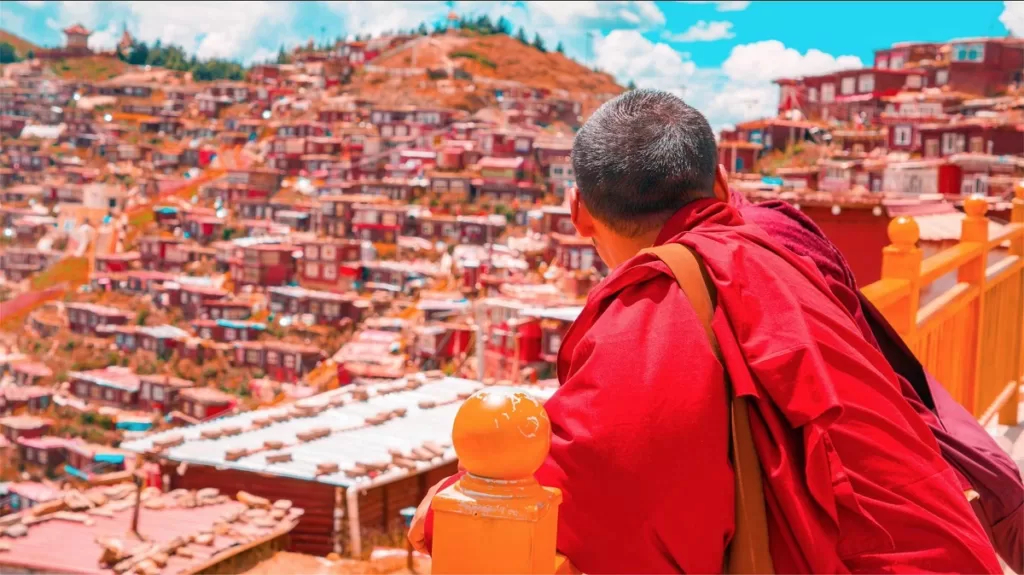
(77, 29)
(68, 546)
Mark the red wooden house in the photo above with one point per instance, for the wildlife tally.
(224, 309)
(264, 265)
(228, 330)
(324, 261)
(159, 339)
(162, 253)
(116, 262)
(377, 222)
(281, 361)
(43, 454)
(189, 298)
(29, 399)
(326, 308)
(204, 403)
(849, 94)
(554, 323)
(113, 386)
(27, 373)
(204, 228)
(451, 187)
(87, 318)
(15, 427)
(975, 135)
(838, 175)
(160, 392)
(986, 66)
(572, 252)
(442, 341)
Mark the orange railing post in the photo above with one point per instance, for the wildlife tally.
(901, 260)
(974, 230)
(497, 518)
(1010, 410)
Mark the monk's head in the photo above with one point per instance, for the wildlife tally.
(638, 160)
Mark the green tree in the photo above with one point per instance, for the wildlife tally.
(631, 85)
(538, 43)
(504, 26)
(560, 49)
(521, 36)
(282, 56)
(423, 30)
(139, 54)
(7, 53)
(30, 55)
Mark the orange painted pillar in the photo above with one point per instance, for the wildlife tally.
(1010, 410)
(497, 518)
(974, 229)
(901, 260)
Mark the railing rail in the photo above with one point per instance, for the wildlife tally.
(970, 336)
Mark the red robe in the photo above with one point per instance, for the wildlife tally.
(853, 478)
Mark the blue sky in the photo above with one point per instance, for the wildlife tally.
(721, 56)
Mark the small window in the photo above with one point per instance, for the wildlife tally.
(328, 253)
(941, 77)
(883, 63)
(44, 456)
(272, 358)
(312, 269)
(289, 360)
(812, 94)
(931, 148)
(828, 93)
(311, 252)
(330, 272)
(866, 83)
(914, 81)
(977, 145)
(848, 86)
(554, 342)
(158, 393)
(902, 136)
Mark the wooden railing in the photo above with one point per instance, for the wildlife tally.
(498, 519)
(970, 336)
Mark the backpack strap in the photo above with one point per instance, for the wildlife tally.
(748, 551)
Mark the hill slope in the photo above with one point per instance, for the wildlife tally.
(21, 45)
(493, 61)
(89, 68)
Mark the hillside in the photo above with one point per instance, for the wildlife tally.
(21, 45)
(493, 61)
(89, 68)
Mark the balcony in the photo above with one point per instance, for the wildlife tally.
(498, 519)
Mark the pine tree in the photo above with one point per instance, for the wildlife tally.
(422, 30)
(521, 36)
(504, 26)
(538, 43)
(282, 56)
(560, 49)
(631, 85)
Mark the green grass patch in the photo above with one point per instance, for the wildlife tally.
(473, 56)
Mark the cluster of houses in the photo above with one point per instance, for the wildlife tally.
(339, 253)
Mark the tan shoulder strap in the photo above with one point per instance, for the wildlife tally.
(748, 552)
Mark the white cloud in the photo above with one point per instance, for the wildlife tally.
(32, 3)
(105, 39)
(741, 89)
(375, 17)
(723, 5)
(207, 29)
(627, 55)
(702, 31)
(1013, 17)
(589, 15)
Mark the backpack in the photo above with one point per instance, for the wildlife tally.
(965, 445)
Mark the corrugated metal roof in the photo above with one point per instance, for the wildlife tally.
(352, 441)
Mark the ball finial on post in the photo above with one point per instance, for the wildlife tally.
(1018, 190)
(904, 232)
(497, 518)
(976, 206)
(501, 433)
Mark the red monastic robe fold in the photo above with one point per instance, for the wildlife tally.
(853, 477)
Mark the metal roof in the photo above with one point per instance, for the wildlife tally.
(352, 439)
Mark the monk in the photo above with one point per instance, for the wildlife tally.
(853, 479)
